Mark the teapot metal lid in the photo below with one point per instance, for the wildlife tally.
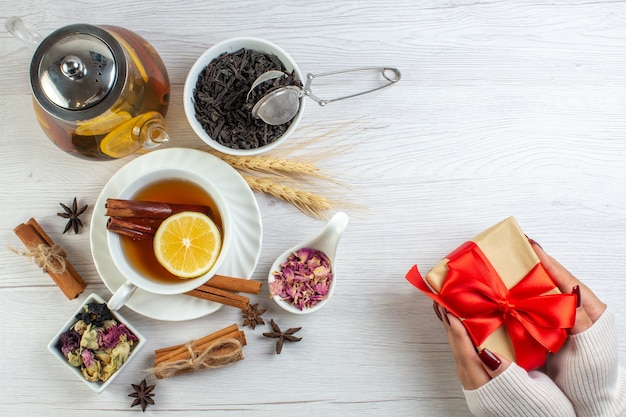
(78, 72)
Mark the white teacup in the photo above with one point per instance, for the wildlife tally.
(138, 279)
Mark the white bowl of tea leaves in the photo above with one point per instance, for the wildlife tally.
(218, 100)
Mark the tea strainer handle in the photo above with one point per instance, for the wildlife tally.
(391, 75)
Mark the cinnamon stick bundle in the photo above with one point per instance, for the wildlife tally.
(217, 349)
(50, 257)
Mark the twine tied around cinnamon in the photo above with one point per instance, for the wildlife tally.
(48, 258)
(218, 354)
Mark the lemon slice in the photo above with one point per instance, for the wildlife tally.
(102, 124)
(135, 58)
(121, 141)
(132, 134)
(187, 244)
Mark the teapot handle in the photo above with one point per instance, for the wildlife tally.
(23, 31)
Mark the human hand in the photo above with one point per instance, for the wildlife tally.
(476, 369)
(493, 386)
(485, 376)
(473, 369)
(586, 368)
(590, 308)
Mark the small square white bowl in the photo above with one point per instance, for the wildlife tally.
(97, 387)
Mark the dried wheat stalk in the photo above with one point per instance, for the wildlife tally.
(280, 170)
(278, 166)
(307, 202)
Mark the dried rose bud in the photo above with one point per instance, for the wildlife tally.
(304, 278)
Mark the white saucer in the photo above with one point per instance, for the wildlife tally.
(247, 230)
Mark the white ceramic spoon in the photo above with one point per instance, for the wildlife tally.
(326, 241)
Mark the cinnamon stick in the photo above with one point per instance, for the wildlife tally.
(180, 352)
(188, 353)
(233, 284)
(62, 272)
(133, 227)
(150, 209)
(205, 339)
(221, 296)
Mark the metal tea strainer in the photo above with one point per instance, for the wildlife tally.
(281, 105)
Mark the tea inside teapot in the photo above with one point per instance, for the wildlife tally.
(100, 92)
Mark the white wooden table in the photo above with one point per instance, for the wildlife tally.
(504, 108)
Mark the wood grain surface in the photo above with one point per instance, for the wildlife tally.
(504, 108)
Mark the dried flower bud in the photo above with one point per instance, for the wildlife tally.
(96, 343)
(304, 278)
(69, 341)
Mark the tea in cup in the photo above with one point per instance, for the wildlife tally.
(135, 257)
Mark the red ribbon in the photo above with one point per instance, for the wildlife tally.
(474, 291)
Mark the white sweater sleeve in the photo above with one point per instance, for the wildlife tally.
(587, 371)
(517, 393)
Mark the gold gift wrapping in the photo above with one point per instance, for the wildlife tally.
(512, 256)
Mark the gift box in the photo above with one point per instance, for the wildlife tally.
(497, 286)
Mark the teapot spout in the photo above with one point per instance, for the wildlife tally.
(23, 31)
(154, 132)
(146, 131)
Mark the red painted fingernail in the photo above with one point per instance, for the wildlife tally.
(576, 292)
(437, 312)
(533, 241)
(489, 359)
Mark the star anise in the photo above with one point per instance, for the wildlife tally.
(282, 336)
(72, 213)
(143, 395)
(252, 316)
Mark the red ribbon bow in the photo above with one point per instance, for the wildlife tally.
(474, 291)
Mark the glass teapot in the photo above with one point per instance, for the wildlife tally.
(99, 92)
